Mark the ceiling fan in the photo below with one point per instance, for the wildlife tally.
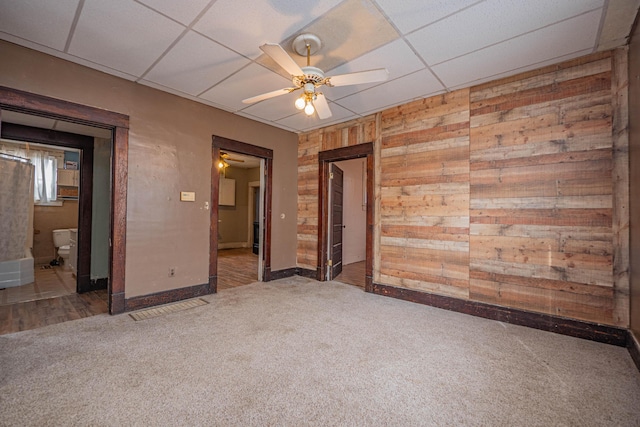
(309, 78)
(224, 157)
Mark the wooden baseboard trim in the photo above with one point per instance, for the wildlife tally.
(281, 274)
(634, 349)
(93, 285)
(546, 322)
(305, 272)
(165, 297)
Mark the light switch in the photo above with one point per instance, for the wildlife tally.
(188, 196)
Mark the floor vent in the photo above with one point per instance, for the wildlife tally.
(166, 309)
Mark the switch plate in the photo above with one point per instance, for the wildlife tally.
(188, 196)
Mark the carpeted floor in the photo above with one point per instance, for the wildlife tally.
(296, 352)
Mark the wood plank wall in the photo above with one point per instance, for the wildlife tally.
(503, 193)
(424, 203)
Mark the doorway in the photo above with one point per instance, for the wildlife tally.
(254, 187)
(330, 238)
(239, 225)
(118, 125)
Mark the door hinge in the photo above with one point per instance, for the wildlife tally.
(331, 175)
(330, 263)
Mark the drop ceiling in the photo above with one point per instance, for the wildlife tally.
(208, 50)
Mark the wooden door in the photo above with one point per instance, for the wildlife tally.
(336, 187)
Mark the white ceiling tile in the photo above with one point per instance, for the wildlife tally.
(491, 22)
(419, 84)
(301, 122)
(250, 81)
(569, 36)
(122, 34)
(181, 11)
(409, 15)
(244, 25)
(274, 108)
(32, 20)
(195, 64)
(397, 57)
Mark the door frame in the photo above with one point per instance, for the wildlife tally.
(220, 143)
(85, 199)
(44, 106)
(325, 158)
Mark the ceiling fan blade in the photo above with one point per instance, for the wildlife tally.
(370, 76)
(278, 54)
(232, 159)
(268, 95)
(322, 106)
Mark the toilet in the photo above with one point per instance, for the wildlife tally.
(61, 240)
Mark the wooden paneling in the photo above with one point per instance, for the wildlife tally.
(511, 193)
(424, 195)
(541, 193)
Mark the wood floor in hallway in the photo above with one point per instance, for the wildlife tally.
(236, 267)
(353, 274)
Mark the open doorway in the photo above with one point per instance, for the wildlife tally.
(240, 214)
(67, 237)
(117, 124)
(331, 250)
(347, 221)
(239, 205)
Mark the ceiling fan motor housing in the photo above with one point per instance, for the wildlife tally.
(312, 75)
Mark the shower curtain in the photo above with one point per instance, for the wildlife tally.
(15, 200)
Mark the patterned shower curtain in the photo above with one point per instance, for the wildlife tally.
(15, 198)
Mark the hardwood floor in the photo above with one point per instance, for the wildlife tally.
(51, 299)
(353, 274)
(236, 267)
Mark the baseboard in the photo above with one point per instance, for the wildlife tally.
(634, 349)
(233, 245)
(546, 322)
(305, 272)
(93, 285)
(165, 297)
(281, 274)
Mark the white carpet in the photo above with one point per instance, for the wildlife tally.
(296, 352)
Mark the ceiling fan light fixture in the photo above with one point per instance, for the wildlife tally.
(301, 102)
(308, 109)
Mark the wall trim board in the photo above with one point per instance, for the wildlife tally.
(165, 297)
(546, 322)
(93, 285)
(305, 272)
(634, 349)
(282, 274)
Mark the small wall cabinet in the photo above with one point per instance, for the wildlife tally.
(68, 182)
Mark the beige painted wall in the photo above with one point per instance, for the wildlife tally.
(169, 152)
(634, 179)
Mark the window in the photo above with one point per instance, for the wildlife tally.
(45, 171)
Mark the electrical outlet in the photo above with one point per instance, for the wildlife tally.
(172, 271)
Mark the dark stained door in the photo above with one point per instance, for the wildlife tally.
(336, 179)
